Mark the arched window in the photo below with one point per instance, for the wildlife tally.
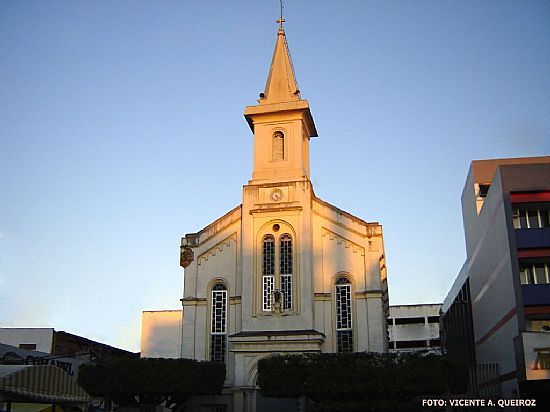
(277, 272)
(344, 326)
(285, 265)
(268, 271)
(218, 329)
(278, 146)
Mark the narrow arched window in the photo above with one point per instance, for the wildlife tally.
(278, 146)
(285, 256)
(218, 329)
(268, 271)
(344, 330)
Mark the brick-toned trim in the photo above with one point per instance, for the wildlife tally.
(497, 326)
(532, 253)
(542, 196)
(536, 310)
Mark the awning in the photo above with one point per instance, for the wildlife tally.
(41, 383)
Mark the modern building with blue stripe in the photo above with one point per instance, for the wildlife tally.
(497, 314)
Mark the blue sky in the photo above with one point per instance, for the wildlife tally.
(122, 129)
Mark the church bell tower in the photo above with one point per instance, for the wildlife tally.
(282, 123)
(276, 215)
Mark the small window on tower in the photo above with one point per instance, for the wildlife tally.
(278, 148)
(483, 190)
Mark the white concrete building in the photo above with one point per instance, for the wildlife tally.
(283, 272)
(414, 328)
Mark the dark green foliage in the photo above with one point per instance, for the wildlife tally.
(359, 381)
(131, 381)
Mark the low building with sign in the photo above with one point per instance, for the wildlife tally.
(46, 346)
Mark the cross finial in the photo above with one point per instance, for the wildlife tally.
(280, 20)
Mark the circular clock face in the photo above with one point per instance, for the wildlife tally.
(276, 195)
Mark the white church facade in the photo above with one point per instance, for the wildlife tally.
(283, 272)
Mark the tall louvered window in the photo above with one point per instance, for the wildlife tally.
(285, 259)
(218, 331)
(268, 271)
(344, 326)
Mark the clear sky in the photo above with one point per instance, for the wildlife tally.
(122, 129)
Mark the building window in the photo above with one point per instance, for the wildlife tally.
(410, 344)
(218, 331)
(277, 272)
(531, 218)
(408, 321)
(539, 325)
(285, 258)
(278, 146)
(268, 271)
(28, 346)
(344, 330)
(483, 190)
(534, 273)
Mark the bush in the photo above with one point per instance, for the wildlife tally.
(359, 380)
(131, 381)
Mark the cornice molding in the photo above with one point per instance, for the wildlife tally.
(193, 240)
(372, 229)
(342, 240)
(217, 248)
(276, 207)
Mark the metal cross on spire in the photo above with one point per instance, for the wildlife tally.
(280, 20)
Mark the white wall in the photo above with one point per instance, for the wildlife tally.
(161, 334)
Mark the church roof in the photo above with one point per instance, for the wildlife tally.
(281, 91)
(281, 83)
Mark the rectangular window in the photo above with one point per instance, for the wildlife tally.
(267, 288)
(540, 273)
(286, 288)
(28, 346)
(524, 275)
(407, 321)
(532, 218)
(542, 325)
(344, 331)
(344, 341)
(433, 319)
(523, 219)
(410, 344)
(343, 307)
(483, 190)
(219, 307)
(536, 273)
(268, 271)
(285, 257)
(218, 328)
(217, 348)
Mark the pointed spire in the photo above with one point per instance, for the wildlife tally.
(281, 83)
